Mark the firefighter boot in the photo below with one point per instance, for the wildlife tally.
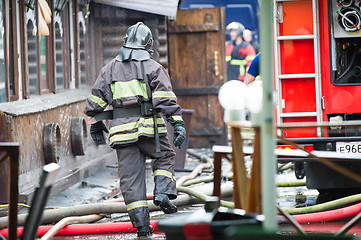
(164, 203)
(145, 232)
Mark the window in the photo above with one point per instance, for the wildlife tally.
(43, 76)
(31, 31)
(46, 63)
(60, 78)
(82, 31)
(38, 55)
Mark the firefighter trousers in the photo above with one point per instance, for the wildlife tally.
(131, 168)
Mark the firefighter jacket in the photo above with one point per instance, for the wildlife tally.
(126, 84)
(238, 58)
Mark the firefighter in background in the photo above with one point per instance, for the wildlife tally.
(239, 54)
(139, 89)
(247, 37)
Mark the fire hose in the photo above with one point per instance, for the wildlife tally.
(84, 229)
(331, 215)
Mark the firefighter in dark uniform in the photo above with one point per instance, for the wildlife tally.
(239, 53)
(139, 90)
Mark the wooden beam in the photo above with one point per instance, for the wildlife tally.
(239, 170)
(193, 28)
(196, 91)
(254, 187)
(12, 150)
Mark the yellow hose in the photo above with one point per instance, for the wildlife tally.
(68, 220)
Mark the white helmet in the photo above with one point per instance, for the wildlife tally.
(236, 26)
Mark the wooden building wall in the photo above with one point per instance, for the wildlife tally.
(25, 123)
(107, 28)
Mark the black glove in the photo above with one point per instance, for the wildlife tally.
(179, 134)
(96, 132)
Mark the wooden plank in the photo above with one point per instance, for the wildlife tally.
(206, 132)
(254, 187)
(98, 49)
(51, 54)
(66, 45)
(239, 170)
(4, 137)
(12, 150)
(193, 28)
(13, 191)
(217, 174)
(14, 65)
(188, 68)
(197, 91)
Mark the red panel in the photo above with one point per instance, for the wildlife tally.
(343, 99)
(297, 18)
(299, 95)
(297, 56)
(300, 132)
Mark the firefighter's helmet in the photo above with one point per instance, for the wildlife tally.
(138, 36)
(236, 26)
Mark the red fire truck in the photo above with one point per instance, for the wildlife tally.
(317, 45)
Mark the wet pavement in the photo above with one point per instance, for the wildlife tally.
(105, 185)
(118, 236)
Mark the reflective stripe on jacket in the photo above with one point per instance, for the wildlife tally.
(127, 84)
(239, 60)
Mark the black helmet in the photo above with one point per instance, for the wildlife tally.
(236, 26)
(138, 36)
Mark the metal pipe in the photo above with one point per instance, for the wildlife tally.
(267, 124)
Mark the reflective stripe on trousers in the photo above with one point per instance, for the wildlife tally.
(165, 173)
(137, 204)
(132, 173)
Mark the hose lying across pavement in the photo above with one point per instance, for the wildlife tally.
(84, 229)
(331, 215)
(53, 215)
(69, 220)
(111, 207)
(326, 206)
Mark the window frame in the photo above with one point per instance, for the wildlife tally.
(12, 77)
(24, 50)
(11, 64)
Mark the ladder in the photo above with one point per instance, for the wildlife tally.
(280, 77)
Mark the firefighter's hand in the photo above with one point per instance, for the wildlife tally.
(96, 132)
(179, 134)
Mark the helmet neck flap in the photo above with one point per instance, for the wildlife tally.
(137, 43)
(129, 54)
